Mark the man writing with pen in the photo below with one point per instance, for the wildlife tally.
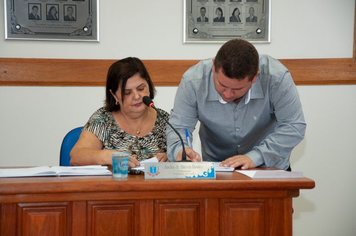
(248, 107)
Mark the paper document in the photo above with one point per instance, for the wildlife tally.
(55, 171)
(142, 163)
(219, 168)
(271, 174)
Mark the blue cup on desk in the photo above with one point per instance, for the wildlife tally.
(120, 165)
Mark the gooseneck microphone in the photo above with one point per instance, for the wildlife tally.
(148, 102)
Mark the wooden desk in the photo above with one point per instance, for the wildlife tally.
(233, 204)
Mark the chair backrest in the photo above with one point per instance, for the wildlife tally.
(68, 142)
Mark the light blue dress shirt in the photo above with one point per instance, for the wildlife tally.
(265, 125)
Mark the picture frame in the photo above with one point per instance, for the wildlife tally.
(217, 21)
(62, 20)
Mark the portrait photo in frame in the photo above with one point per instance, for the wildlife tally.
(63, 20)
(217, 21)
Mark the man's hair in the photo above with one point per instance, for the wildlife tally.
(237, 58)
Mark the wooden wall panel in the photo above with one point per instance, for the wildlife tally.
(73, 72)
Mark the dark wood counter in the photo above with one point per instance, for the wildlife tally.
(233, 204)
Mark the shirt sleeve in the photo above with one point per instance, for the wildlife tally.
(97, 125)
(183, 115)
(276, 147)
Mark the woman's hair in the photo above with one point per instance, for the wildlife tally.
(237, 58)
(236, 9)
(220, 10)
(118, 74)
(51, 9)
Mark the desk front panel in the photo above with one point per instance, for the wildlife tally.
(230, 205)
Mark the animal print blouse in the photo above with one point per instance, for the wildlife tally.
(103, 124)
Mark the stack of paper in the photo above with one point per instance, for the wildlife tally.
(55, 171)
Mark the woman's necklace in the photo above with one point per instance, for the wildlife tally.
(128, 125)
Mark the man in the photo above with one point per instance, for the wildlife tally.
(251, 17)
(69, 16)
(202, 17)
(34, 13)
(248, 107)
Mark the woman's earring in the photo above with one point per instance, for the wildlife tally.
(116, 101)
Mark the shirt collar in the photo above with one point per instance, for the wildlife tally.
(254, 92)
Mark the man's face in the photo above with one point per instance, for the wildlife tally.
(70, 11)
(35, 10)
(231, 89)
(202, 11)
(251, 11)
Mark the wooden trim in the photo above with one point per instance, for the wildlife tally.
(354, 49)
(73, 72)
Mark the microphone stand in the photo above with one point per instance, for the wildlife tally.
(184, 154)
(148, 102)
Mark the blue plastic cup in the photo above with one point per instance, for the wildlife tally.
(120, 165)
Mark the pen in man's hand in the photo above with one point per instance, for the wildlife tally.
(188, 138)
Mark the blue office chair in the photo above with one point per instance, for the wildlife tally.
(68, 142)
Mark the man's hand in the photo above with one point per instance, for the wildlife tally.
(242, 161)
(191, 155)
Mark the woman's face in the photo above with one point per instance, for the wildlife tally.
(136, 88)
(218, 13)
(53, 11)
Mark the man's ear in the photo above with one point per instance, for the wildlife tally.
(255, 77)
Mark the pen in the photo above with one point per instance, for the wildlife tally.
(187, 137)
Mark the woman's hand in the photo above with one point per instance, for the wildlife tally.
(161, 156)
(133, 162)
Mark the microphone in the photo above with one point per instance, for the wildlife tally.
(148, 102)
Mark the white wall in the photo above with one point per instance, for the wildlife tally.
(33, 120)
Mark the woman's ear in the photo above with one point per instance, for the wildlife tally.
(113, 95)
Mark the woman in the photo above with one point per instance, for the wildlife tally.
(52, 13)
(125, 123)
(220, 15)
(235, 16)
